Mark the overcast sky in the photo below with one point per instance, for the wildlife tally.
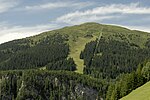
(23, 18)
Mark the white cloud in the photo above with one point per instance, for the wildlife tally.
(141, 28)
(82, 19)
(102, 13)
(9, 33)
(54, 5)
(6, 5)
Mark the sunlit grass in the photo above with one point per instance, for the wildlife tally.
(75, 50)
(141, 93)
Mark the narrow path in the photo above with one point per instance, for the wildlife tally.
(95, 51)
(99, 37)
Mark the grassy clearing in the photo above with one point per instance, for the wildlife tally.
(75, 50)
(141, 93)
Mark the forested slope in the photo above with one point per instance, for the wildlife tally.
(53, 85)
(51, 52)
(113, 60)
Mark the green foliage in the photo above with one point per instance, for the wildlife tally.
(37, 84)
(128, 82)
(116, 58)
(49, 50)
(148, 43)
(146, 71)
(88, 53)
(141, 93)
(62, 65)
(10, 81)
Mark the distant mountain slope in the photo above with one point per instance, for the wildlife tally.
(116, 56)
(76, 36)
(141, 93)
(79, 35)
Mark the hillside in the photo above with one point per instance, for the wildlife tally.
(44, 85)
(76, 36)
(105, 60)
(79, 35)
(141, 93)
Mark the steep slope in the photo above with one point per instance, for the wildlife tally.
(141, 93)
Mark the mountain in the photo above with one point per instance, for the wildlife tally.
(113, 60)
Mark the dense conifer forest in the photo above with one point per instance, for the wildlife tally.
(112, 58)
(50, 52)
(53, 85)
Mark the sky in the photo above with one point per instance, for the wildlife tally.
(24, 18)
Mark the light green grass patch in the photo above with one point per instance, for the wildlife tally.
(75, 50)
(141, 93)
